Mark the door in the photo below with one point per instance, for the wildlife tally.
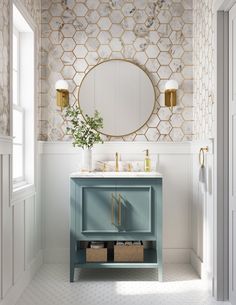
(134, 209)
(110, 209)
(99, 211)
(232, 155)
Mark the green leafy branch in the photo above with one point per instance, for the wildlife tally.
(85, 130)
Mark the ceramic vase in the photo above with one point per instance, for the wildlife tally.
(87, 159)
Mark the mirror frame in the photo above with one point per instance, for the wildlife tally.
(154, 91)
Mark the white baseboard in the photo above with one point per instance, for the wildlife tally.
(200, 268)
(176, 256)
(16, 290)
(62, 255)
(196, 263)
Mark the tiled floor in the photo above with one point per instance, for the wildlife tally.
(117, 286)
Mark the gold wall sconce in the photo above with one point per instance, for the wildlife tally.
(62, 93)
(170, 93)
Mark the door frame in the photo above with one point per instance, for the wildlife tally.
(221, 214)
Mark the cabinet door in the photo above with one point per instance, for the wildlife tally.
(99, 209)
(134, 209)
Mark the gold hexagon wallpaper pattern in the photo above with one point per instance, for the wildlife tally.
(4, 68)
(156, 34)
(204, 69)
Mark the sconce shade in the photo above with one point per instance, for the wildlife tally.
(170, 93)
(61, 84)
(62, 93)
(171, 85)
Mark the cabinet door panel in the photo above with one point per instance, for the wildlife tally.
(135, 208)
(98, 209)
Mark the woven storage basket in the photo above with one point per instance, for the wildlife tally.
(128, 253)
(96, 255)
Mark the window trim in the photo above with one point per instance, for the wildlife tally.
(17, 33)
(30, 170)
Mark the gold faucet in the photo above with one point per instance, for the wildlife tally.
(129, 167)
(117, 162)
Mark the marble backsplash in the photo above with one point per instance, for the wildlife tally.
(156, 34)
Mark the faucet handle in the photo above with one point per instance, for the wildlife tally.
(130, 167)
(117, 162)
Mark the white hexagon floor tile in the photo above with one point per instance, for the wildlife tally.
(181, 286)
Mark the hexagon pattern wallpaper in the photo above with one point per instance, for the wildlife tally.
(204, 70)
(156, 34)
(4, 68)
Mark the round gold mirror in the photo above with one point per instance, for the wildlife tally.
(121, 92)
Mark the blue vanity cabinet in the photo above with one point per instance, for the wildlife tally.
(116, 209)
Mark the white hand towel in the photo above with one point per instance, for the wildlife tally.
(203, 178)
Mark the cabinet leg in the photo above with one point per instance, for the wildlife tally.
(72, 271)
(72, 256)
(160, 274)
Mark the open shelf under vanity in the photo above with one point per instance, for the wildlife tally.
(150, 260)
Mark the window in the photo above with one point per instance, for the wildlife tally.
(18, 114)
(22, 100)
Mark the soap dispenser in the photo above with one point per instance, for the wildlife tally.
(147, 162)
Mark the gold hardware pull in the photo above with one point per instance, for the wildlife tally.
(112, 209)
(119, 210)
(202, 155)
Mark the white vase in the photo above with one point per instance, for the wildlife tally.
(87, 159)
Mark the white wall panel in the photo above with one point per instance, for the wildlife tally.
(19, 239)
(202, 209)
(30, 230)
(1, 197)
(55, 192)
(176, 170)
(7, 226)
(61, 159)
(188, 207)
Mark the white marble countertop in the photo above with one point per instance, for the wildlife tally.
(116, 175)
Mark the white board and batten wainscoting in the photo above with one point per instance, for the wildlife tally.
(186, 226)
(20, 235)
(187, 208)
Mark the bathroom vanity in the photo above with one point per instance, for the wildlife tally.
(116, 207)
